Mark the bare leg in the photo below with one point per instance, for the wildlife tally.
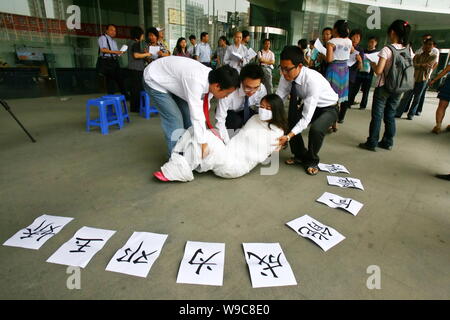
(440, 113)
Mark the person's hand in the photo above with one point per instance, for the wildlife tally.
(282, 141)
(430, 83)
(205, 150)
(160, 53)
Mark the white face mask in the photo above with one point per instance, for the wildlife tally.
(264, 114)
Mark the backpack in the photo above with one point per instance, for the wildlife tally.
(400, 77)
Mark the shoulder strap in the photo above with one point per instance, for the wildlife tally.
(109, 47)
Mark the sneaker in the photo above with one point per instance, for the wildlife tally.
(384, 146)
(160, 176)
(443, 176)
(365, 146)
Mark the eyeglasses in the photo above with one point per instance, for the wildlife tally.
(284, 70)
(250, 89)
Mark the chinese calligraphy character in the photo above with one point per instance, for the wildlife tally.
(203, 262)
(347, 183)
(84, 245)
(316, 230)
(41, 231)
(276, 263)
(342, 203)
(143, 256)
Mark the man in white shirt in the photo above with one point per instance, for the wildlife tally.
(203, 50)
(318, 107)
(266, 59)
(236, 55)
(181, 90)
(233, 111)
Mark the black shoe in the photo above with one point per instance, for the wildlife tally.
(384, 146)
(410, 118)
(443, 176)
(417, 113)
(362, 108)
(365, 146)
(398, 117)
(340, 121)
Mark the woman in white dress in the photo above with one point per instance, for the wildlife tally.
(249, 147)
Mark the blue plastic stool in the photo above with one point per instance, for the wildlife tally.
(121, 101)
(103, 121)
(145, 109)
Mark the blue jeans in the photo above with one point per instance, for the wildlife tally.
(419, 92)
(405, 102)
(384, 106)
(174, 113)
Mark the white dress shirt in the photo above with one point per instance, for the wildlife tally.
(232, 60)
(313, 89)
(188, 80)
(235, 102)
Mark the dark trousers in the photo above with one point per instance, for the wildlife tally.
(235, 120)
(135, 89)
(322, 119)
(114, 77)
(362, 81)
(384, 106)
(419, 93)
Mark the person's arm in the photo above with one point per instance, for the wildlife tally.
(103, 45)
(309, 107)
(440, 75)
(194, 91)
(330, 52)
(221, 116)
(226, 58)
(360, 61)
(378, 68)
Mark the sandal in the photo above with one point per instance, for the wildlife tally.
(292, 160)
(312, 170)
(436, 130)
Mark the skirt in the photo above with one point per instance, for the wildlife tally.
(337, 75)
(444, 91)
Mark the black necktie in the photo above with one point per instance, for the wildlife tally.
(246, 109)
(293, 114)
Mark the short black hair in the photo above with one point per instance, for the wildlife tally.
(429, 40)
(203, 34)
(252, 71)
(303, 43)
(327, 28)
(136, 32)
(226, 76)
(293, 53)
(373, 38)
(245, 34)
(223, 38)
(312, 42)
(356, 31)
(152, 30)
(341, 27)
(192, 37)
(267, 39)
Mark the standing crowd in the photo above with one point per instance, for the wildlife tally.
(320, 80)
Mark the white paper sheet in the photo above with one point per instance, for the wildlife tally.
(79, 250)
(323, 235)
(137, 256)
(352, 60)
(319, 46)
(202, 263)
(333, 168)
(154, 50)
(237, 56)
(335, 201)
(345, 182)
(124, 48)
(268, 265)
(37, 233)
(251, 54)
(373, 57)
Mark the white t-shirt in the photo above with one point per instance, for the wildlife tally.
(343, 46)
